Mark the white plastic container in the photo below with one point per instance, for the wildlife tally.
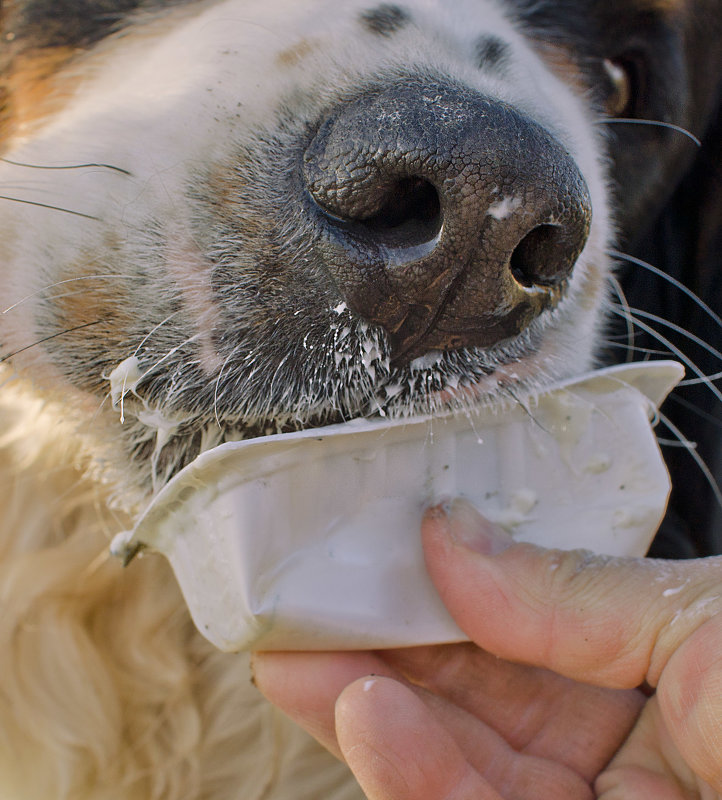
(311, 540)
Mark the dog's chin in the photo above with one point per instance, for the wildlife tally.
(360, 381)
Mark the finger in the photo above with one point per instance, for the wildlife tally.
(397, 749)
(532, 709)
(690, 697)
(305, 686)
(517, 773)
(649, 765)
(609, 621)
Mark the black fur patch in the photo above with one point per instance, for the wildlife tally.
(491, 52)
(385, 19)
(71, 23)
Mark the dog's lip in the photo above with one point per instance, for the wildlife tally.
(507, 374)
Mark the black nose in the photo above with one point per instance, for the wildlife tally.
(449, 218)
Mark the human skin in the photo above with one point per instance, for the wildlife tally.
(586, 676)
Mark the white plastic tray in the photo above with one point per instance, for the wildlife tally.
(311, 540)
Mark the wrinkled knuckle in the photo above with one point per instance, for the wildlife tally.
(577, 577)
(692, 629)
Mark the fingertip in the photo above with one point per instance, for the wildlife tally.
(461, 524)
(458, 542)
(515, 600)
(690, 697)
(396, 747)
(306, 685)
(355, 706)
(368, 733)
(606, 620)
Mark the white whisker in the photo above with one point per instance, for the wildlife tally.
(170, 353)
(691, 448)
(98, 410)
(218, 383)
(715, 376)
(25, 299)
(653, 122)
(646, 351)
(673, 349)
(638, 312)
(625, 305)
(692, 408)
(677, 284)
(157, 327)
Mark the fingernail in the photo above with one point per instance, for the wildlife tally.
(469, 529)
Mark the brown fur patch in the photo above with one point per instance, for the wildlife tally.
(33, 87)
(293, 55)
(562, 64)
(5, 114)
(92, 308)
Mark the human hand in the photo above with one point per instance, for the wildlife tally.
(456, 722)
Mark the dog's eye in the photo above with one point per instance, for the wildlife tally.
(621, 79)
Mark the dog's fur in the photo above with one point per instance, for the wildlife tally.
(171, 243)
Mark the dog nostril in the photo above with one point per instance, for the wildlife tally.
(409, 204)
(404, 220)
(543, 257)
(444, 216)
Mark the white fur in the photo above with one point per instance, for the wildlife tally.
(178, 94)
(106, 690)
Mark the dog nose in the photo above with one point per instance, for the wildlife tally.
(447, 217)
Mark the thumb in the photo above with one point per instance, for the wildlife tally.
(613, 622)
